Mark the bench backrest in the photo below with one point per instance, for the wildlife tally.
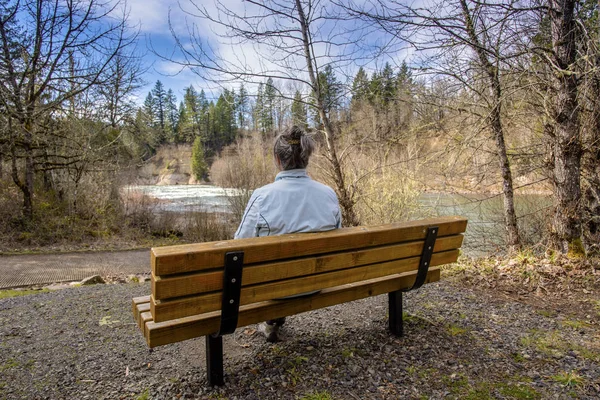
(187, 280)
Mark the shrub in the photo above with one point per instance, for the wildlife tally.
(245, 166)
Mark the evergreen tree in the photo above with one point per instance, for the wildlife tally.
(268, 111)
(404, 76)
(388, 85)
(360, 86)
(257, 112)
(299, 111)
(331, 91)
(212, 142)
(224, 114)
(203, 115)
(172, 115)
(242, 107)
(189, 119)
(198, 162)
(149, 108)
(160, 99)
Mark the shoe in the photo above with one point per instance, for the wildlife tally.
(270, 332)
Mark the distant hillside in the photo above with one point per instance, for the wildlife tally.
(169, 166)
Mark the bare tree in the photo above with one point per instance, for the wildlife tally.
(294, 40)
(122, 79)
(472, 44)
(63, 49)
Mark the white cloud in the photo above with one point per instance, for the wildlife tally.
(150, 14)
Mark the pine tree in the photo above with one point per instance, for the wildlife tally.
(149, 108)
(257, 112)
(172, 115)
(198, 163)
(160, 99)
(299, 111)
(331, 92)
(242, 107)
(190, 124)
(360, 86)
(203, 115)
(268, 111)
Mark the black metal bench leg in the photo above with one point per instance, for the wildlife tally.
(214, 360)
(395, 311)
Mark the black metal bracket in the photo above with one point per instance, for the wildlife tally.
(232, 286)
(425, 257)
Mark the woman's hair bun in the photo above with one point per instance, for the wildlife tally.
(295, 132)
(293, 148)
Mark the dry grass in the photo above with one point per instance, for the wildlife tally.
(548, 281)
(531, 273)
(246, 165)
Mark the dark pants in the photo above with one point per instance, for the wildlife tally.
(278, 321)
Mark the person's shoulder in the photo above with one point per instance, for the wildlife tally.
(324, 187)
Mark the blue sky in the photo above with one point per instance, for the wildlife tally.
(152, 17)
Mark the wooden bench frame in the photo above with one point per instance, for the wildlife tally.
(210, 289)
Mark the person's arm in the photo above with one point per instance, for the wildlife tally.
(338, 211)
(338, 218)
(247, 227)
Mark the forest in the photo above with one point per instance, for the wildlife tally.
(496, 98)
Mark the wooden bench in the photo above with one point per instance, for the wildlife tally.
(210, 289)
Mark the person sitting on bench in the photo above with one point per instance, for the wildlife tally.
(294, 203)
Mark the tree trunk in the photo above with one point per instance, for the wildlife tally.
(495, 118)
(25, 186)
(590, 164)
(590, 181)
(567, 145)
(510, 216)
(346, 202)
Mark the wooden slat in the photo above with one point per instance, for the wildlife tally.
(162, 333)
(136, 302)
(183, 307)
(145, 317)
(197, 257)
(141, 309)
(178, 286)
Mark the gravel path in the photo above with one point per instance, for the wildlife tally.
(82, 343)
(42, 269)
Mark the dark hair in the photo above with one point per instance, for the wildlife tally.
(293, 147)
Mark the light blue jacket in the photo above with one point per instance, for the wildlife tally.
(293, 203)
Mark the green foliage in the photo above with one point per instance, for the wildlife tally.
(518, 391)
(145, 395)
(568, 378)
(10, 363)
(360, 87)
(324, 395)
(348, 352)
(4, 294)
(455, 330)
(299, 116)
(242, 104)
(198, 162)
(330, 91)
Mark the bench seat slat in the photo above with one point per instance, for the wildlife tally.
(172, 331)
(198, 283)
(183, 307)
(136, 303)
(197, 257)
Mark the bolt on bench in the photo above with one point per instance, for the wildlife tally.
(210, 289)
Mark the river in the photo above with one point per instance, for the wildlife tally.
(485, 232)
